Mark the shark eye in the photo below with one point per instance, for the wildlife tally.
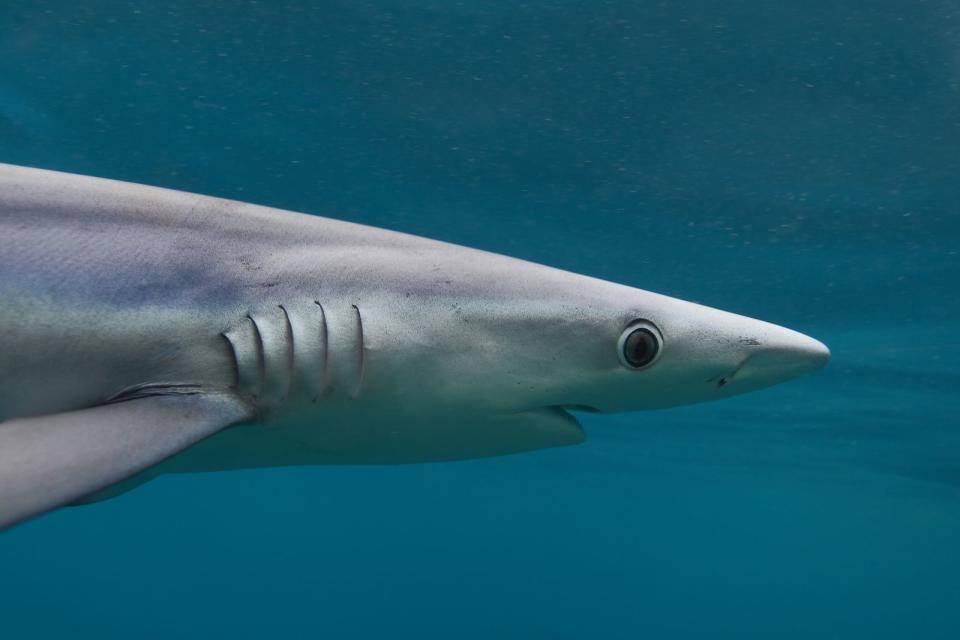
(639, 345)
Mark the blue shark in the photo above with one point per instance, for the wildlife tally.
(146, 331)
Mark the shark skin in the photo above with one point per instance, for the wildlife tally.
(147, 331)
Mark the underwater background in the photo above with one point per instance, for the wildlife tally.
(796, 162)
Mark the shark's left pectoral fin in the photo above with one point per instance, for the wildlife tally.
(49, 461)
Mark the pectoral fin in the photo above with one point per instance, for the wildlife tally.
(49, 461)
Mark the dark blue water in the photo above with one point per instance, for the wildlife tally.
(798, 162)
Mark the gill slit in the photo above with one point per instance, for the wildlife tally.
(261, 361)
(326, 347)
(234, 361)
(360, 354)
(291, 368)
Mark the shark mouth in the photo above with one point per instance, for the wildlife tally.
(579, 408)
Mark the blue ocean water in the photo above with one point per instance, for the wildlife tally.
(797, 162)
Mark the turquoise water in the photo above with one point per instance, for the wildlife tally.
(798, 162)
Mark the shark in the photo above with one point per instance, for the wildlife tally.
(146, 331)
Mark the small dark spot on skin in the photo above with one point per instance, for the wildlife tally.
(721, 382)
(248, 264)
(749, 341)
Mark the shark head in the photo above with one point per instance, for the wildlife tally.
(647, 351)
(490, 336)
(629, 351)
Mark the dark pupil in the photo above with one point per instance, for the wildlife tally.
(640, 348)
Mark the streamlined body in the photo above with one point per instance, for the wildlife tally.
(145, 331)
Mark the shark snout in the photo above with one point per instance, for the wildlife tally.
(793, 355)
